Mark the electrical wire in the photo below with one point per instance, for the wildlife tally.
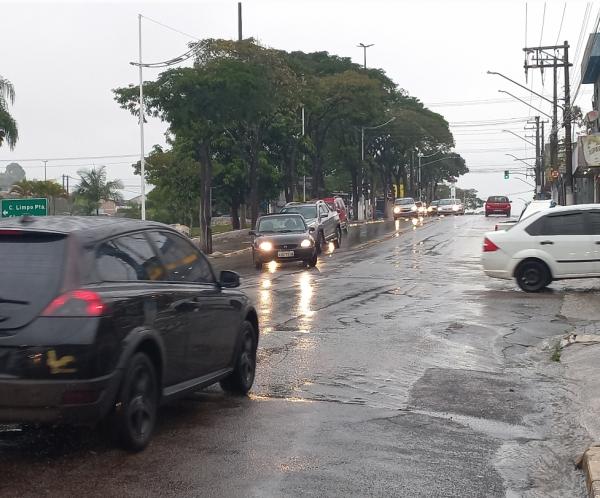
(171, 28)
(543, 23)
(83, 158)
(561, 24)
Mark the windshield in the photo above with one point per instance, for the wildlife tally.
(309, 212)
(281, 224)
(446, 202)
(405, 201)
(30, 277)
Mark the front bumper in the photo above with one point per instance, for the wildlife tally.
(406, 214)
(300, 254)
(47, 401)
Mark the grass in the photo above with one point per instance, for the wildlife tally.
(556, 352)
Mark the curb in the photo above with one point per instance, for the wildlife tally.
(590, 464)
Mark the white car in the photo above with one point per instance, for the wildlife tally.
(450, 206)
(553, 244)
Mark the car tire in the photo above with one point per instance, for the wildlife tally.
(338, 238)
(532, 275)
(312, 262)
(136, 409)
(486, 215)
(241, 379)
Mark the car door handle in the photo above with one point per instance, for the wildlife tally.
(546, 243)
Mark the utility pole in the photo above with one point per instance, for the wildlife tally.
(239, 21)
(553, 57)
(538, 166)
(142, 158)
(569, 198)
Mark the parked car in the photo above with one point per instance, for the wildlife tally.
(529, 209)
(563, 242)
(450, 206)
(283, 237)
(107, 318)
(497, 204)
(337, 204)
(319, 216)
(433, 208)
(403, 207)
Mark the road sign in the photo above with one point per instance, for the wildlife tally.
(22, 207)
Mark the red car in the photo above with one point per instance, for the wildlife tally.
(337, 204)
(497, 204)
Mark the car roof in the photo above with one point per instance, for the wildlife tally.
(273, 215)
(89, 228)
(296, 204)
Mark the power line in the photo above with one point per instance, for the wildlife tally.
(543, 22)
(561, 23)
(171, 28)
(70, 158)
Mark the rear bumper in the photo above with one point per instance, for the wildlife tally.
(43, 401)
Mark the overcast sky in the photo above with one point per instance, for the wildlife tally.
(64, 59)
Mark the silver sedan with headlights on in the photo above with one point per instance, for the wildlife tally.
(405, 207)
(283, 238)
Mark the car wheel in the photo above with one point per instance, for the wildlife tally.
(241, 379)
(508, 214)
(532, 276)
(338, 238)
(312, 262)
(137, 404)
(258, 265)
(486, 215)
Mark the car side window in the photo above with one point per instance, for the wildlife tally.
(594, 222)
(128, 258)
(183, 262)
(323, 210)
(562, 224)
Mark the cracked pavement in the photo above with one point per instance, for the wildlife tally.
(394, 368)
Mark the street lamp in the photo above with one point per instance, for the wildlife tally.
(529, 105)
(518, 136)
(365, 47)
(519, 159)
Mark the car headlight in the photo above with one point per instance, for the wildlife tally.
(306, 243)
(429, 209)
(396, 209)
(455, 208)
(414, 208)
(265, 246)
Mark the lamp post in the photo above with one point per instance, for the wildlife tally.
(365, 47)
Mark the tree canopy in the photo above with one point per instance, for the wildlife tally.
(235, 131)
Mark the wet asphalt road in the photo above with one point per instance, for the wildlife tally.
(394, 368)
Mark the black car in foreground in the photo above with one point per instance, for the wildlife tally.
(105, 319)
(283, 237)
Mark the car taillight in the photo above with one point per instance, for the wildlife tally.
(489, 246)
(76, 303)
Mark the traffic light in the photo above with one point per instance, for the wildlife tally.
(506, 174)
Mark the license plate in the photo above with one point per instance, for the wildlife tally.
(285, 254)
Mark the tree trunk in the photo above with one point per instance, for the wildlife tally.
(253, 173)
(205, 198)
(235, 215)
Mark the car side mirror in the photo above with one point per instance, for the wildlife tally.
(252, 233)
(311, 229)
(229, 279)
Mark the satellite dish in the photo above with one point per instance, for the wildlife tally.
(592, 116)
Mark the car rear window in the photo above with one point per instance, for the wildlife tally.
(498, 199)
(31, 275)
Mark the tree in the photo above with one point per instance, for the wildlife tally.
(94, 188)
(13, 173)
(9, 132)
(48, 189)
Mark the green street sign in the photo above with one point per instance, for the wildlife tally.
(22, 207)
